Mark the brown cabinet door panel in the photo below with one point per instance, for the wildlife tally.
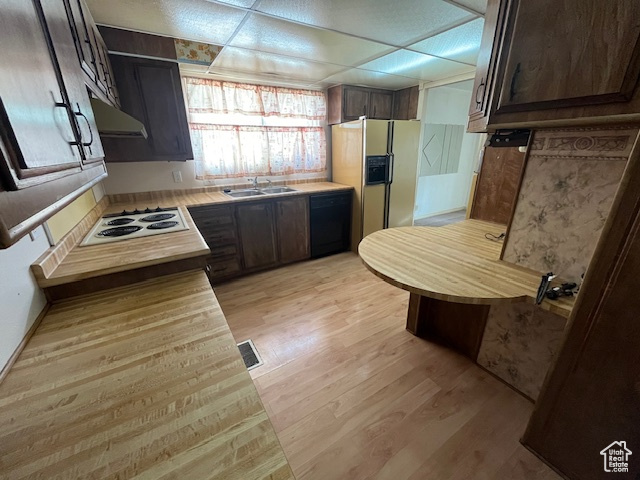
(498, 185)
(292, 217)
(151, 92)
(380, 105)
(81, 32)
(485, 65)
(64, 46)
(257, 234)
(355, 103)
(36, 132)
(571, 53)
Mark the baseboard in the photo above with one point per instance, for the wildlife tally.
(16, 353)
(458, 209)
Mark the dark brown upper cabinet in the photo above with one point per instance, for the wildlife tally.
(50, 150)
(150, 91)
(571, 53)
(405, 103)
(549, 63)
(346, 103)
(91, 52)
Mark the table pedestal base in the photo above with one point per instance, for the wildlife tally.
(458, 325)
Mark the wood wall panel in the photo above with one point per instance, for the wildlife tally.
(498, 184)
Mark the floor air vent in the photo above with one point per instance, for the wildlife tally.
(249, 354)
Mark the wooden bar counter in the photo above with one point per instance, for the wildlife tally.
(454, 274)
(142, 381)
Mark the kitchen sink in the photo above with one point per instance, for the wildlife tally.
(270, 190)
(244, 193)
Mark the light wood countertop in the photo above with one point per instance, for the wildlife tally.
(98, 260)
(81, 263)
(454, 263)
(195, 198)
(141, 382)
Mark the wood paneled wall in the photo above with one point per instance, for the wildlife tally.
(498, 183)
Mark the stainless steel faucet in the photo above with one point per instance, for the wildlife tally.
(254, 181)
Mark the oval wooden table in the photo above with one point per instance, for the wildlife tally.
(454, 273)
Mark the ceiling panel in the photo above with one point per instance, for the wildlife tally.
(269, 34)
(380, 20)
(461, 43)
(367, 78)
(189, 19)
(272, 65)
(239, 3)
(417, 65)
(479, 6)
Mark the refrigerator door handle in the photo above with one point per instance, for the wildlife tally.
(391, 157)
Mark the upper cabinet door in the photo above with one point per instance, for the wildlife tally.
(571, 53)
(80, 25)
(381, 105)
(56, 18)
(356, 103)
(150, 91)
(35, 116)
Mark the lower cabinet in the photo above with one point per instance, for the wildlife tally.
(292, 221)
(252, 236)
(257, 235)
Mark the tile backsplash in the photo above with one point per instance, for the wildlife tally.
(568, 188)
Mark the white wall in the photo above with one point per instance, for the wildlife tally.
(21, 300)
(444, 193)
(132, 177)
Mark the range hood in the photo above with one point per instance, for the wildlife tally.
(112, 122)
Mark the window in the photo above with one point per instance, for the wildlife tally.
(240, 130)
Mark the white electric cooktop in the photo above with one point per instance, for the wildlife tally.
(125, 225)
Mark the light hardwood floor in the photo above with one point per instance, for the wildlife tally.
(442, 219)
(353, 395)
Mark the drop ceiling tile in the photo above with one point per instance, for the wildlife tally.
(379, 20)
(189, 19)
(272, 65)
(239, 3)
(273, 35)
(417, 65)
(367, 78)
(461, 43)
(479, 6)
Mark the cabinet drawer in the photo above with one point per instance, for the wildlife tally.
(223, 268)
(212, 216)
(216, 237)
(226, 251)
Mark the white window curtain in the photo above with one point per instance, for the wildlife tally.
(240, 130)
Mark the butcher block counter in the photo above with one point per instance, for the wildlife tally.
(143, 382)
(67, 267)
(456, 278)
(456, 263)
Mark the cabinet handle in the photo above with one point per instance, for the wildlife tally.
(70, 111)
(80, 114)
(374, 112)
(479, 101)
(514, 79)
(364, 110)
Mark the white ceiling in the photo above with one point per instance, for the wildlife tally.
(316, 44)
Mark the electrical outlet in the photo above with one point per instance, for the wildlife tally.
(177, 176)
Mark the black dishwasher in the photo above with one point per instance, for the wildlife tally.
(330, 215)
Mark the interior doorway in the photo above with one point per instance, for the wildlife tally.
(448, 155)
